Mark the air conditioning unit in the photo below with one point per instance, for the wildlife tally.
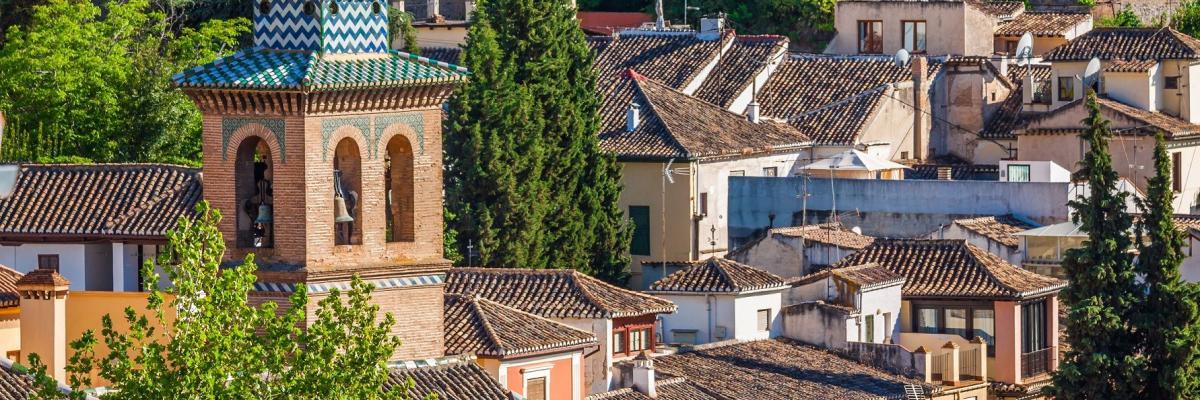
(720, 332)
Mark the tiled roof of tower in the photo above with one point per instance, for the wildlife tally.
(997, 228)
(841, 122)
(99, 200)
(475, 325)
(452, 380)
(953, 268)
(716, 275)
(1045, 24)
(830, 234)
(737, 68)
(675, 125)
(866, 276)
(1128, 43)
(554, 293)
(1149, 122)
(262, 69)
(8, 287)
(803, 83)
(1010, 116)
(778, 369)
(666, 389)
(675, 59)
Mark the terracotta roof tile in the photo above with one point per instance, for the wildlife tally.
(1127, 43)
(833, 235)
(866, 276)
(953, 268)
(716, 275)
(8, 287)
(1122, 65)
(958, 172)
(16, 385)
(455, 380)
(667, 389)
(1010, 115)
(42, 277)
(738, 66)
(999, 229)
(842, 122)
(1055, 24)
(99, 200)
(999, 9)
(554, 293)
(1187, 221)
(484, 327)
(780, 369)
(1153, 122)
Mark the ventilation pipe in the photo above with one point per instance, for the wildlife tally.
(633, 117)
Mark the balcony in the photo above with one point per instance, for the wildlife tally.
(1038, 362)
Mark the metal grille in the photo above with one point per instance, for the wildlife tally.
(968, 364)
(1037, 362)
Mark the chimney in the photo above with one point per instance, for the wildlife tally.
(920, 107)
(44, 319)
(713, 24)
(752, 111)
(633, 117)
(643, 375)
(1004, 66)
(945, 173)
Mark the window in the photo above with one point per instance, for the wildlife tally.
(641, 230)
(904, 155)
(983, 325)
(1177, 172)
(1066, 88)
(914, 36)
(870, 37)
(1033, 326)
(956, 321)
(737, 173)
(1171, 82)
(683, 336)
(347, 190)
(398, 188)
(638, 340)
(618, 342)
(967, 320)
(703, 204)
(48, 261)
(869, 328)
(535, 388)
(770, 171)
(1041, 92)
(1018, 173)
(927, 320)
(253, 190)
(1010, 47)
(764, 320)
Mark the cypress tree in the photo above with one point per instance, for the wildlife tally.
(1103, 361)
(571, 186)
(1167, 317)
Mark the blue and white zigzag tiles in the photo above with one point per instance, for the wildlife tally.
(286, 27)
(356, 28)
(423, 280)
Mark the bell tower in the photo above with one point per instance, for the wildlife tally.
(322, 150)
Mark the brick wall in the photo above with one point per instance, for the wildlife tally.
(418, 312)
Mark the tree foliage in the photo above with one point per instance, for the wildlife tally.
(220, 346)
(1103, 361)
(1186, 18)
(92, 82)
(808, 23)
(400, 27)
(1125, 18)
(526, 180)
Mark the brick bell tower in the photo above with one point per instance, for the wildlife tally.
(323, 152)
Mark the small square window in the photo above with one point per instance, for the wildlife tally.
(764, 320)
(737, 173)
(1171, 82)
(1066, 88)
(770, 171)
(48, 261)
(618, 342)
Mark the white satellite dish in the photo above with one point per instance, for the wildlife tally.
(1091, 73)
(856, 230)
(1024, 49)
(8, 179)
(901, 58)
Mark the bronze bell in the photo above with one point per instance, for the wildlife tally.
(264, 214)
(339, 210)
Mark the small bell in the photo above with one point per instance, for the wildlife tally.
(339, 210)
(264, 214)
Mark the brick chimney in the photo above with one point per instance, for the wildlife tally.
(643, 375)
(920, 78)
(44, 319)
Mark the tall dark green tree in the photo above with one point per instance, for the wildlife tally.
(1103, 361)
(567, 186)
(1167, 317)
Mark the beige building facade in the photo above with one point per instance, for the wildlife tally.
(931, 27)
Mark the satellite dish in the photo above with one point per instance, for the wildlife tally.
(1024, 49)
(856, 230)
(901, 58)
(1091, 73)
(8, 179)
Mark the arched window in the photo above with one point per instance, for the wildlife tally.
(254, 173)
(398, 176)
(347, 172)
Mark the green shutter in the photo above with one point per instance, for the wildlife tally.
(641, 230)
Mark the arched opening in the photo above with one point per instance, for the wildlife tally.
(254, 174)
(347, 178)
(398, 176)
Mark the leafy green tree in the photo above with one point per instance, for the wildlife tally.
(808, 23)
(93, 82)
(1167, 318)
(1126, 18)
(1186, 18)
(220, 346)
(1103, 361)
(401, 28)
(526, 178)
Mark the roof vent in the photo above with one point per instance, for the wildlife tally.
(8, 179)
(945, 173)
(633, 117)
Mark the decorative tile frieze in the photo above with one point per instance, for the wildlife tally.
(423, 280)
(415, 121)
(331, 125)
(230, 125)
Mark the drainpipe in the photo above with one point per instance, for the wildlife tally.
(708, 316)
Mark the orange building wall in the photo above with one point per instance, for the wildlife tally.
(85, 309)
(1008, 342)
(561, 380)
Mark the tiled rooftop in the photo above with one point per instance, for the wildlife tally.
(953, 268)
(865, 276)
(1149, 122)
(1045, 24)
(958, 172)
(780, 369)
(450, 55)
(453, 380)
(483, 327)
(1010, 115)
(99, 200)
(553, 293)
(737, 67)
(666, 389)
(16, 385)
(8, 287)
(842, 122)
(1130, 65)
(830, 234)
(1128, 43)
(716, 275)
(263, 69)
(999, 229)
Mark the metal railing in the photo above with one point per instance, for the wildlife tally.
(937, 365)
(1037, 362)
(968, 364)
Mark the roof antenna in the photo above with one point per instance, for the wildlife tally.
(658, 24)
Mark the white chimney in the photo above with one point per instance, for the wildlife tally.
(752, 111)
(713, 24)
(643, 375)
(1004, 66)
(633, 116)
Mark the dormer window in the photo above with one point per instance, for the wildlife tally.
(1171, 82)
